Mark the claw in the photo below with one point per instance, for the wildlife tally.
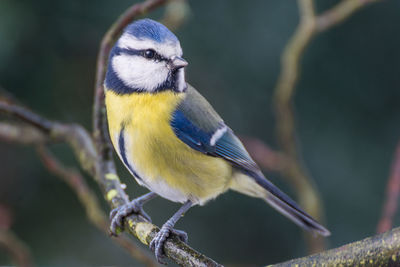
(119, 214)
(113, 212)
(157, 244)
(183, 236)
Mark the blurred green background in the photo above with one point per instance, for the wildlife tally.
(347, 110)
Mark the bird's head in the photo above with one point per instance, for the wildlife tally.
(146, 58)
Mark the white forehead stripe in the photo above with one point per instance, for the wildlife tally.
(167, 49)
(218, 134)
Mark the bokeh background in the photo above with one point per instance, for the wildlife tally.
(347, 110)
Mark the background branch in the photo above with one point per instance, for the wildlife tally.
(19, 252)
(176, 13)
(100, 131)
(91, 204)
(83, 146)
(144, 231)
(392, 195)
(310, 25)
(24, 134)
(94, 153)
(16, 248)
(20, 133)
(265, 156)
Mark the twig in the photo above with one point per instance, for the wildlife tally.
(265, 157)
(20, 133)
(27, 116)
(176, 13)
(310, 25)
(83, 146)
(101, 138)
(75, 180)
(6, 217)
(95, 156)
(100, 131)
(306, 191)
(379, 250)
(392, 195)
(91, 204)
(25, 134)
(339, 13)
(108, 179)
(19, 251)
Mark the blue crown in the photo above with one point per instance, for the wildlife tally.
(150, 29)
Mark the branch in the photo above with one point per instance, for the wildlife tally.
(27, 116)
(100, 131)
(18, 250)
(379, 250)
(108, 179)
(265, 157)
(309, 26)
(392, 195)
(20, 133)
(339, 13)
(91, 204)
(83, 146)
(176, 13)
(95, 155)
(307, 193)
(28, 135)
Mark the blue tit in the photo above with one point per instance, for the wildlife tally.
(170, 138)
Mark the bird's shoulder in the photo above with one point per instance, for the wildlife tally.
(199, 111)
(197, 124)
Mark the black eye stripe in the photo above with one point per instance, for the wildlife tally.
(141, 52)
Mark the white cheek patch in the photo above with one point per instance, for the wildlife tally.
(139, 72)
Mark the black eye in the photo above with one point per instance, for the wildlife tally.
(149, 53)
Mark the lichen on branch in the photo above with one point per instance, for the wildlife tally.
(379, 250)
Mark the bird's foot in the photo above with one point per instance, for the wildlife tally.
(157, 244)
(119, 214)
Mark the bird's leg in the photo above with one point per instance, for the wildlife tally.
(158, 241)
(119, 214)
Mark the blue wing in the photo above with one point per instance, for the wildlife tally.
(230, 148)
(189, 133)
(196, 124)
(199, 126)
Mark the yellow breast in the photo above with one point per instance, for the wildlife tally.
(167, 165)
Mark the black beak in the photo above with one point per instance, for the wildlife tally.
(177, 63)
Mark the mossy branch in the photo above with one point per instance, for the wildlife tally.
(379, 250)
(91, 204)
(83, 146)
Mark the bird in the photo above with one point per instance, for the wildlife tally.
(171, 139)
